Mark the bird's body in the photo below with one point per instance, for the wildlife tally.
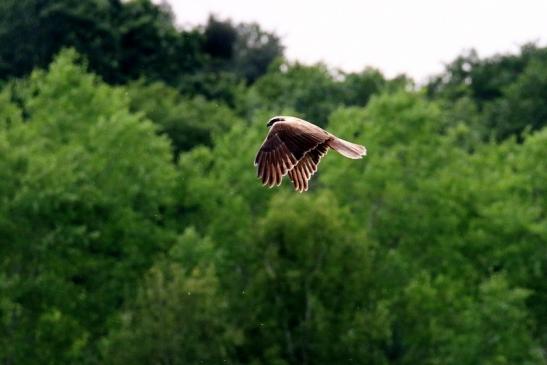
(295, 147)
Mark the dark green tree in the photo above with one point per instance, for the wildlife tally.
(254, 51)
(121, 40)
(33, 31)
(151, 46)
(523, 104)
(501, 86)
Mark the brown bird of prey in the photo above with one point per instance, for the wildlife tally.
(294, 146)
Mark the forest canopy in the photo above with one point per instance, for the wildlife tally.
(133, 229)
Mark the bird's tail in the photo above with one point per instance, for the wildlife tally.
(347, 149)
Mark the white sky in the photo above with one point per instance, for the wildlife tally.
(412, 36)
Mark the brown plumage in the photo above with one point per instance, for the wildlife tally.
(295, 147)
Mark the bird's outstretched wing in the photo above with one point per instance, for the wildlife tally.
(307, 166)
(286, 144)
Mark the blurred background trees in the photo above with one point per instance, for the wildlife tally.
(133, 228)
(508, 90)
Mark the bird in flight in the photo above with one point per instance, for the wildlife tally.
(294, 147)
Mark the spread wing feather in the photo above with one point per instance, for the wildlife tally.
(286, 146)
(307, 166)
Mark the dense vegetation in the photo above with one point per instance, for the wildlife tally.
(133, 229)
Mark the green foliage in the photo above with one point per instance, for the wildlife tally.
(133, 228)
(508, 90)
(176, 318)
(187, 122)
(127, 40)
(461, 327)
(438, 210)
(359, 87)
(306, 291)
(32, 32)
(121, 40)
(150, 44)
(310, 90)
(82, 212)
(524, 103)
(254, 51)
(427, 210)
(316, 91)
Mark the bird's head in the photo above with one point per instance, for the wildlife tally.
(275, 120)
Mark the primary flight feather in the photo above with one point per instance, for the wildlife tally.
(295, 147)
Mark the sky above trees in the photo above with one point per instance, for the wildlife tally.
(396, 36)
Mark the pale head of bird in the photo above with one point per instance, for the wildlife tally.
(280, 118)
(275, 120)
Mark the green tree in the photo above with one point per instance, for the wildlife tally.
(187, 122)
(33, 31)
(506, 88)
(314, 92)
(81, 215)
(308, 90)
(307, 294)
(254, 51)
(453, 223)
(359, 87)
(121, 40)
(523, 105)
(150, 45)
(178, 316)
